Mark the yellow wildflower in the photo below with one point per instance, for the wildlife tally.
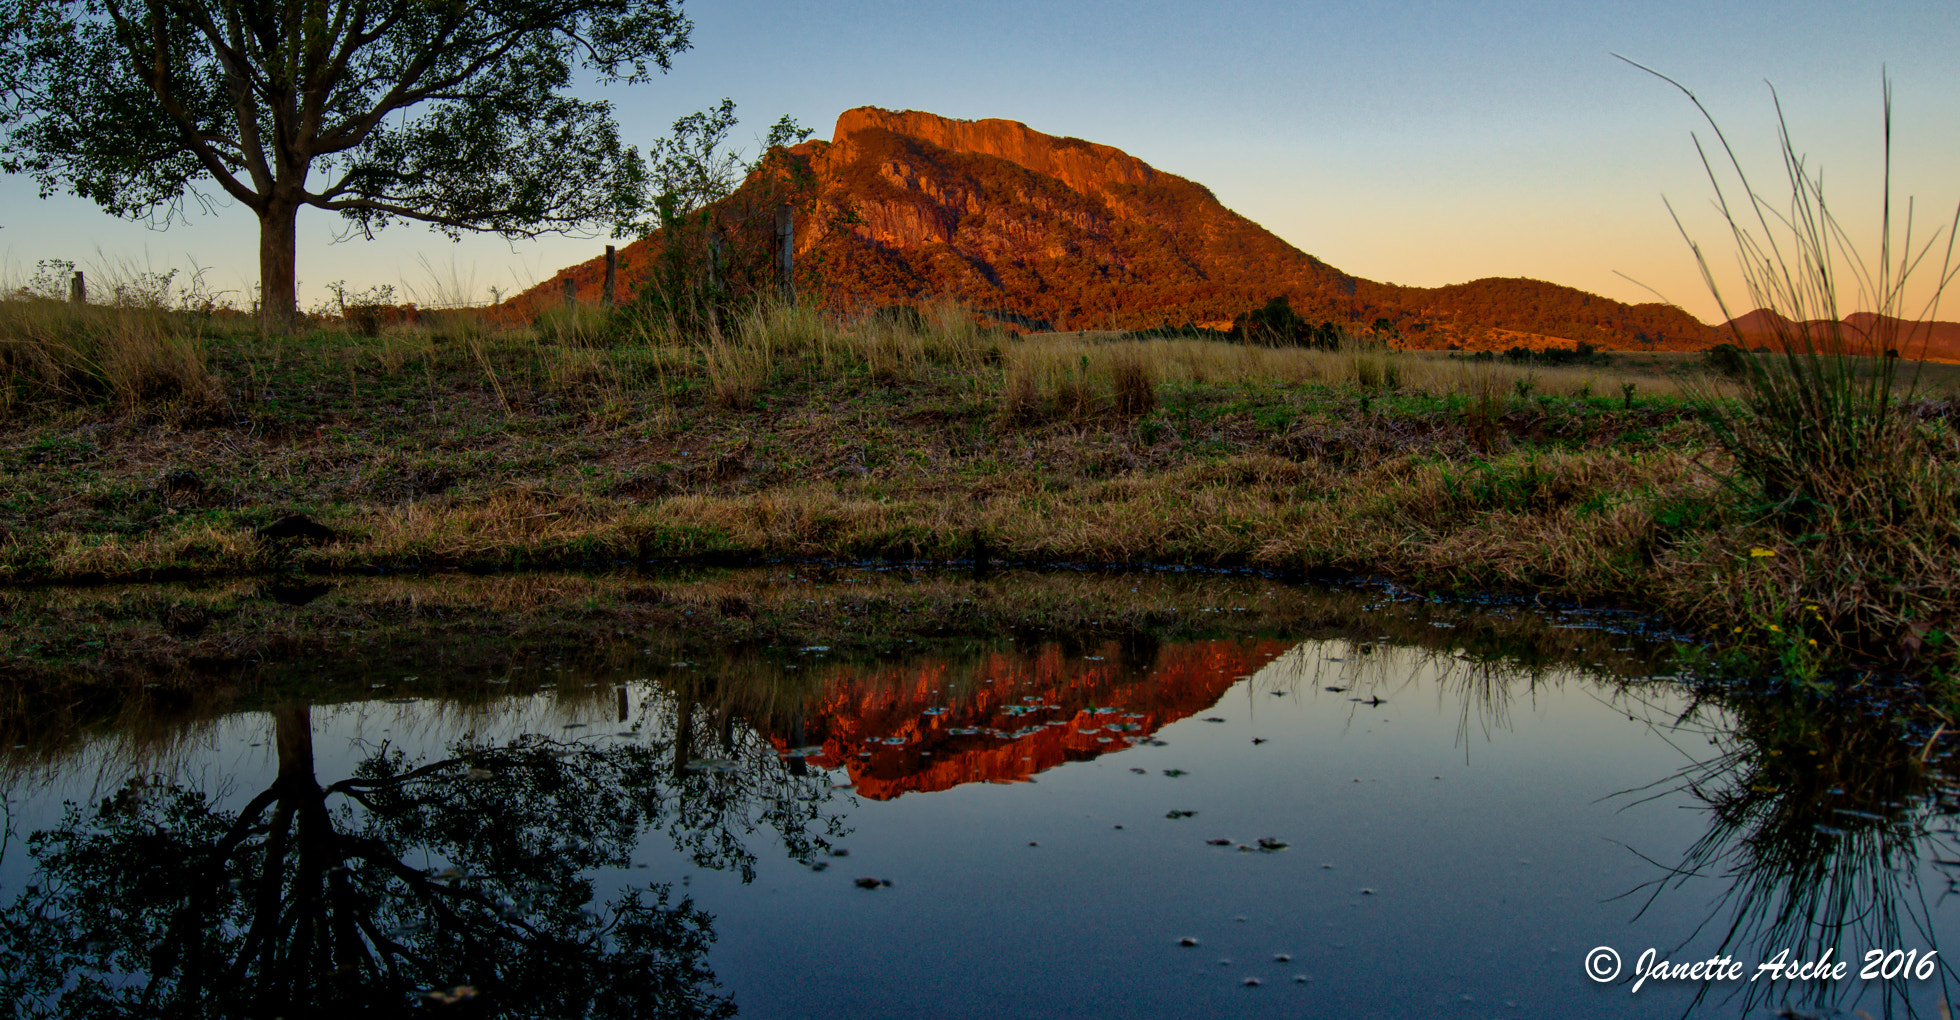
(1759, 552)
(1775, 628)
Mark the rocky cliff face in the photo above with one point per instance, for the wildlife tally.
(901, 207)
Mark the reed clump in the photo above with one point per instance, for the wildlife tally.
(1852, 557)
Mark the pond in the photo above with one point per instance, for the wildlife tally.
(1256, 825)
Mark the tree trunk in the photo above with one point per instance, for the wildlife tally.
(278, 265)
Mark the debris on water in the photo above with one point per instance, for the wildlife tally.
(1224, 963)
(460, 993)
(838, 851)
(1279, 694)
(1141, 772)
(873, 883)
(1365, 891)
(1175, 814)
(1371, 700)
(1033, 843)
(1174, 773)
(1119, 826)
(1282, 957)
(1269, 844)
(1240, 918)
(1336, 690)
(819, 865)
(1258, 740)
(1218, 842)
(1187, 941)
(1326, 867)
(1213, 718)
(1252, 982)
(1301, 979)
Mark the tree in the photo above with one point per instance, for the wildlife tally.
(714, 246)
(451, 112)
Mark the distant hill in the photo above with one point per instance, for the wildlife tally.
(1860, 332)
(1060, 233)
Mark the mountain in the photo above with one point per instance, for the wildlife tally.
(1044, 232)
(1861, 332)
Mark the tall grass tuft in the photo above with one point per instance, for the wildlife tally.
(136, 355)
(1819, 415)
(1859, 493)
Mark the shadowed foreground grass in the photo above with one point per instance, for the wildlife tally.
(786, 434)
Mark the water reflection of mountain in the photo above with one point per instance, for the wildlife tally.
(1003, 716)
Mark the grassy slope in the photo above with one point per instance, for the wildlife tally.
(438, 447)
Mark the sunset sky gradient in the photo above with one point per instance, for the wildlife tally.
(1411, 143)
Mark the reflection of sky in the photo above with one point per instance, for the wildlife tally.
(1474, 805)
(1418, 143)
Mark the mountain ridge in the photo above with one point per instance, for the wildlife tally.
(1054, 232)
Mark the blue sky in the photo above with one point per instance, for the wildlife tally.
(1424, 144)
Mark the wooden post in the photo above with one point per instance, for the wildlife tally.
(77, 290)
(786, 251)
(612, 273)
(571, 292)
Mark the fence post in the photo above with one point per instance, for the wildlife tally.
(612, 273)
(77, 290)
(571, 292)
(786, 251)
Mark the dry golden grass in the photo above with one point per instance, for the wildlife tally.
(134, 356)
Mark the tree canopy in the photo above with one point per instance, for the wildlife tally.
(450, 112)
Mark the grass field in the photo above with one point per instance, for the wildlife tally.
(142, 443)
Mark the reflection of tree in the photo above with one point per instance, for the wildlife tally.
(355, 896)
(730, 781)
(1820, 821)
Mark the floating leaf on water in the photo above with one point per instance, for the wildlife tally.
(1269, 844)
(1141, 772)
(1180, 814)
(1218, 842)
(1174, 773)
(872, 883)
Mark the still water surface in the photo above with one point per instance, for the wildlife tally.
(1233, 828)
